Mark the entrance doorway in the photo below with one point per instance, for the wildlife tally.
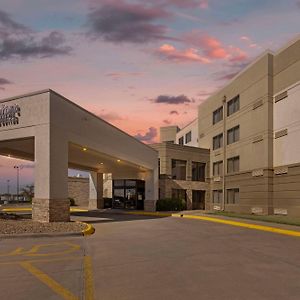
(128, 194)
(198, 199)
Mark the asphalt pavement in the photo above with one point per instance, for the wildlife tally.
(141, 257)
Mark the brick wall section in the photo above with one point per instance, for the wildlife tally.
(55, 210)
(78, 189)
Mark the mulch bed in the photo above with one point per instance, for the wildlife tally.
(15, 224)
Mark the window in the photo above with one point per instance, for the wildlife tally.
(233, 105)
(233, 135)
(217, 196)
(218, 141)
(198, 171)
(233, 196)
(218, 168)
(218, 115)
(233, 164)
(180, 141)
(188, 137)
(178, 169)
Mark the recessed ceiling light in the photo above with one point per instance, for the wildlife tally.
(118, 160)
(101, 163)
(84, 149)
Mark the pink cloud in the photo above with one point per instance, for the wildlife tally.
(169, 52)
(237, 54)
(210, 46)
(213, 48)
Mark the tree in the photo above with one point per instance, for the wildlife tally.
(28, 192)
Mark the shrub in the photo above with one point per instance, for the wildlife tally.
(72, 202)
(170, 204)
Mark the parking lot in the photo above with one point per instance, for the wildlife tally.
(140, 257)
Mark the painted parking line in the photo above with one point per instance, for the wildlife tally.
(88, 278)
(48, 281)
(37, 254)
(242, 224)
(39, 250)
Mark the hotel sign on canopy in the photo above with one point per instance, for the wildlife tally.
(9, 115)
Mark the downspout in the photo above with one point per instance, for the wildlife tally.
(224, 154)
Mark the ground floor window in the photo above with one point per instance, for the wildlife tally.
(217, 196)
(233, 196)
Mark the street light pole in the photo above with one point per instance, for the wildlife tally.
(7, 186)
(18, 175)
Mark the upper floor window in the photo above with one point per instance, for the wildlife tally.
(218, 115)
(198, 171)
(218, 168)
(180, 141)
(233, 135)
(233, 105)
(233, 164)
(218, 141)
(188, 137)
(178, 169)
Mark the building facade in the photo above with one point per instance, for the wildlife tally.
(184, 173)
(252, 128)
(34, 127)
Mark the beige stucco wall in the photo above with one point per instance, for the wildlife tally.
(167, 152)
(168, 133)
(193, 127)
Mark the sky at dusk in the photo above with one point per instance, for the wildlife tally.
(138, 64)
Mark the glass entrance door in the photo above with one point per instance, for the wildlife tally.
(128, 194)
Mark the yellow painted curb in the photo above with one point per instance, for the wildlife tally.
(78, 210)
(241, 224)
(16, 209)
(89, 229)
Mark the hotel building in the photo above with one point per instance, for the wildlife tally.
(252, 128)
(241, 154)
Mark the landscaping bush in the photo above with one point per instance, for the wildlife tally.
(72, 202)
(170, 204)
